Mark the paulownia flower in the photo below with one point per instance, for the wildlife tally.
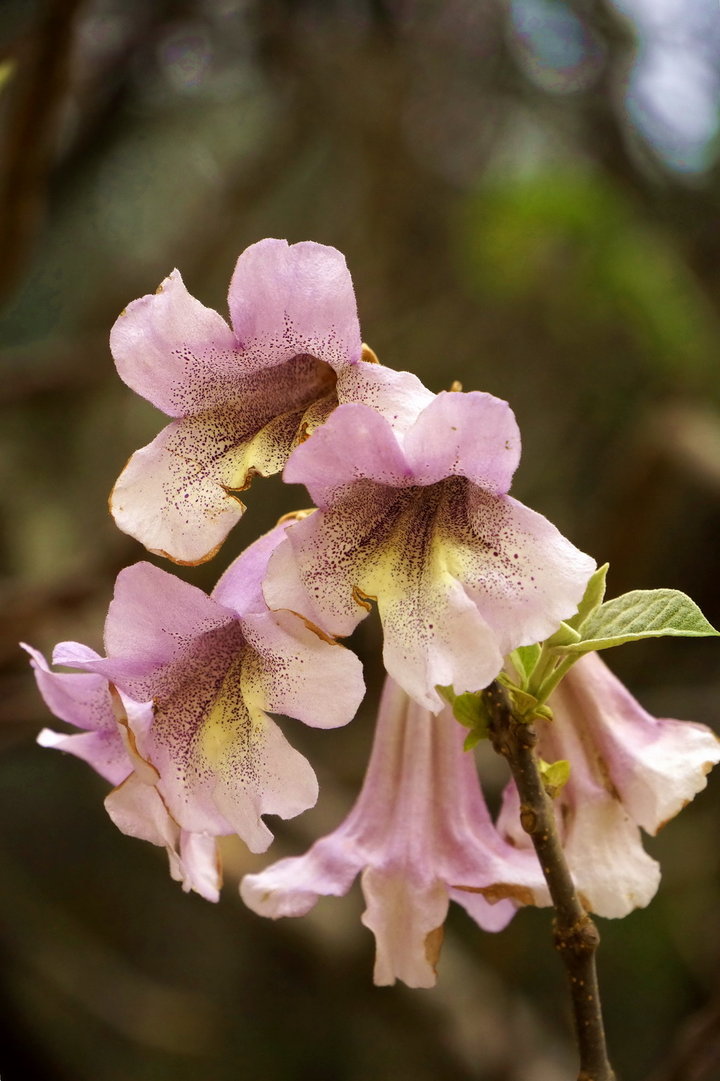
(202, 672)
(627, 770)
(421, 522)
(241, 396)
(112, 726)
(421, 835)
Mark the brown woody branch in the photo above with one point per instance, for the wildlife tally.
(576, 936)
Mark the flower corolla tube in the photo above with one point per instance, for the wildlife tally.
(628, 770)
(420, 835)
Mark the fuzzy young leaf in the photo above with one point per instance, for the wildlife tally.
(554, 775)
(592, 598)
(470, 710)
(524, 703)
(524, 659)
(446, 693)
(642, 613)
(565, 635)
(472, 739)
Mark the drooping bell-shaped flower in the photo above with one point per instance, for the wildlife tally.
(421, 835)
(628, 770)
(241, 396)
(421, 522)
(203, 673)
(112, 729)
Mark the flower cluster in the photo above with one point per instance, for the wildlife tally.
(411, 515)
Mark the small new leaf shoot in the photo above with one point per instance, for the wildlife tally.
(471, 712)
(554, 775)
(472, 739)
(524, 704)
(564, 636)
(592, 599)
(524, 659)
(447, 693)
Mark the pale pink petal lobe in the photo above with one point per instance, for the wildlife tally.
(240, 587)
(397, 396)
(153, 620)
(473, 435)
(174, 351)
(354, 444)
(405, 917)
(82, 699)
(302, 675)
(287, 300)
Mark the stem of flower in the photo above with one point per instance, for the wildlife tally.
(576, 936)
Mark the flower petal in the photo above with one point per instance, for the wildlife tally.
(240, 587)
(406, 918)
(138, 810)
(200, 864)
(173, 494)
(656, 765)
(287, 300)
(300, 674)
(253, 775)
(74, 655)
(613, 874)
(291, 887)
(222, 762)
(83, 700)
(103, 750)
(354, 443)
(318, 569)
(80, 699)
(153, 620)
(519, 570)
(472, 435)
(397, 396)
(490, 916)
(433, 634)
(174, 351)
(176, 494)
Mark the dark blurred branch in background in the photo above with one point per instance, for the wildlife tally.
(37, 95)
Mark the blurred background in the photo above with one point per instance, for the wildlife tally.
(528, 196)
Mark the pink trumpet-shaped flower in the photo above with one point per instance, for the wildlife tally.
(421, 835)
(627, 770)
(421, 522)
(241, 396)
(196, 677)
(112, 727)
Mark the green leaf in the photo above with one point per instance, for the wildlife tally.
(524, 659)
(523, 702)
(565, 635)
(592, 598)
(554, 775)
(642, 613)
(447, 693)
(470, 710)
(472, 739)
